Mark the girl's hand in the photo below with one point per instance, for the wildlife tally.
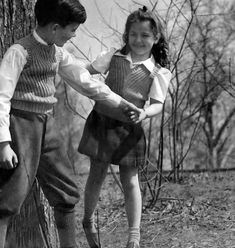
(8, 158)
(137, 117)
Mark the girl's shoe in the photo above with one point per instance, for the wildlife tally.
(133, 245)
(92, 237)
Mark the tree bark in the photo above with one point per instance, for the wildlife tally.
(16, 20)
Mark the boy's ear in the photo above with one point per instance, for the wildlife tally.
(54, 27)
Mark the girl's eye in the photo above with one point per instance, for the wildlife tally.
(146, 35)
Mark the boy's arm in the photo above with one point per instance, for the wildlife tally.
(81, 80)
(8, 158)
(10, 69)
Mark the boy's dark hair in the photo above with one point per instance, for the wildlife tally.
(62, 12)
(160, 49)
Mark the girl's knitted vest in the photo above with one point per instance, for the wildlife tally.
(35, 88)
(133, 84)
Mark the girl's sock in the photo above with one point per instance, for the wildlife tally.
(134, 235)
(90, 224)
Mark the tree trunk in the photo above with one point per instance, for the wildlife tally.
(34, 227)
(16, 20)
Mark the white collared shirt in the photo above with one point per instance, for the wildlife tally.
(161, 78)
(70, 69)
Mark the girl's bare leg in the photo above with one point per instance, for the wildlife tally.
(97, 174)
(133, 201)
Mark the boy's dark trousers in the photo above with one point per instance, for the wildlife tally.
(41, 153)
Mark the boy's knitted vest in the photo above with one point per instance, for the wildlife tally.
(35, 88)
(133, 84)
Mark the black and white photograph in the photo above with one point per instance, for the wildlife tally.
(117, 124)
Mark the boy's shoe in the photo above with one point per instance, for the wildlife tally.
(92, 237)
(133, 245)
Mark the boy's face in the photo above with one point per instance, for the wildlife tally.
(63, 34)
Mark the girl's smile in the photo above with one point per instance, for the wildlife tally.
(141, 40)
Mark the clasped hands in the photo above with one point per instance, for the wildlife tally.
(134, 114)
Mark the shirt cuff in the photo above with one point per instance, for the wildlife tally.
(5, 135)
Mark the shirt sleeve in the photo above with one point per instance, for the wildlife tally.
(10, 68)
(161, 81)
(102, 61)
(75, 75)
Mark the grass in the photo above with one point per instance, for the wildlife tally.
(198, 213)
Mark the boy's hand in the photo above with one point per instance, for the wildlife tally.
(128, 107)
(137, 117)
(8, 158)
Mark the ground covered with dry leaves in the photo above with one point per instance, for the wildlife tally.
(198, 213)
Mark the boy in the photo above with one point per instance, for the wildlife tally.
(28, 147)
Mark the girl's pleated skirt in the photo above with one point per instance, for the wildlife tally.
(113, 141)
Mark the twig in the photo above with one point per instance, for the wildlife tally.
(98, 225)
(116, 178)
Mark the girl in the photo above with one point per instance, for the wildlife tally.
(137, 73)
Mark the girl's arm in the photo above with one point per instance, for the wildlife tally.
(153, 109)
(91, 69)
(101, 63)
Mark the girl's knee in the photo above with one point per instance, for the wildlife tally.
(129, 176)
(98, 171)
(130, 183)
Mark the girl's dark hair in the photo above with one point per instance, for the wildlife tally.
(160, 49)
(63, 12)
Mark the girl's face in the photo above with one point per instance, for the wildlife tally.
(141, 40)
